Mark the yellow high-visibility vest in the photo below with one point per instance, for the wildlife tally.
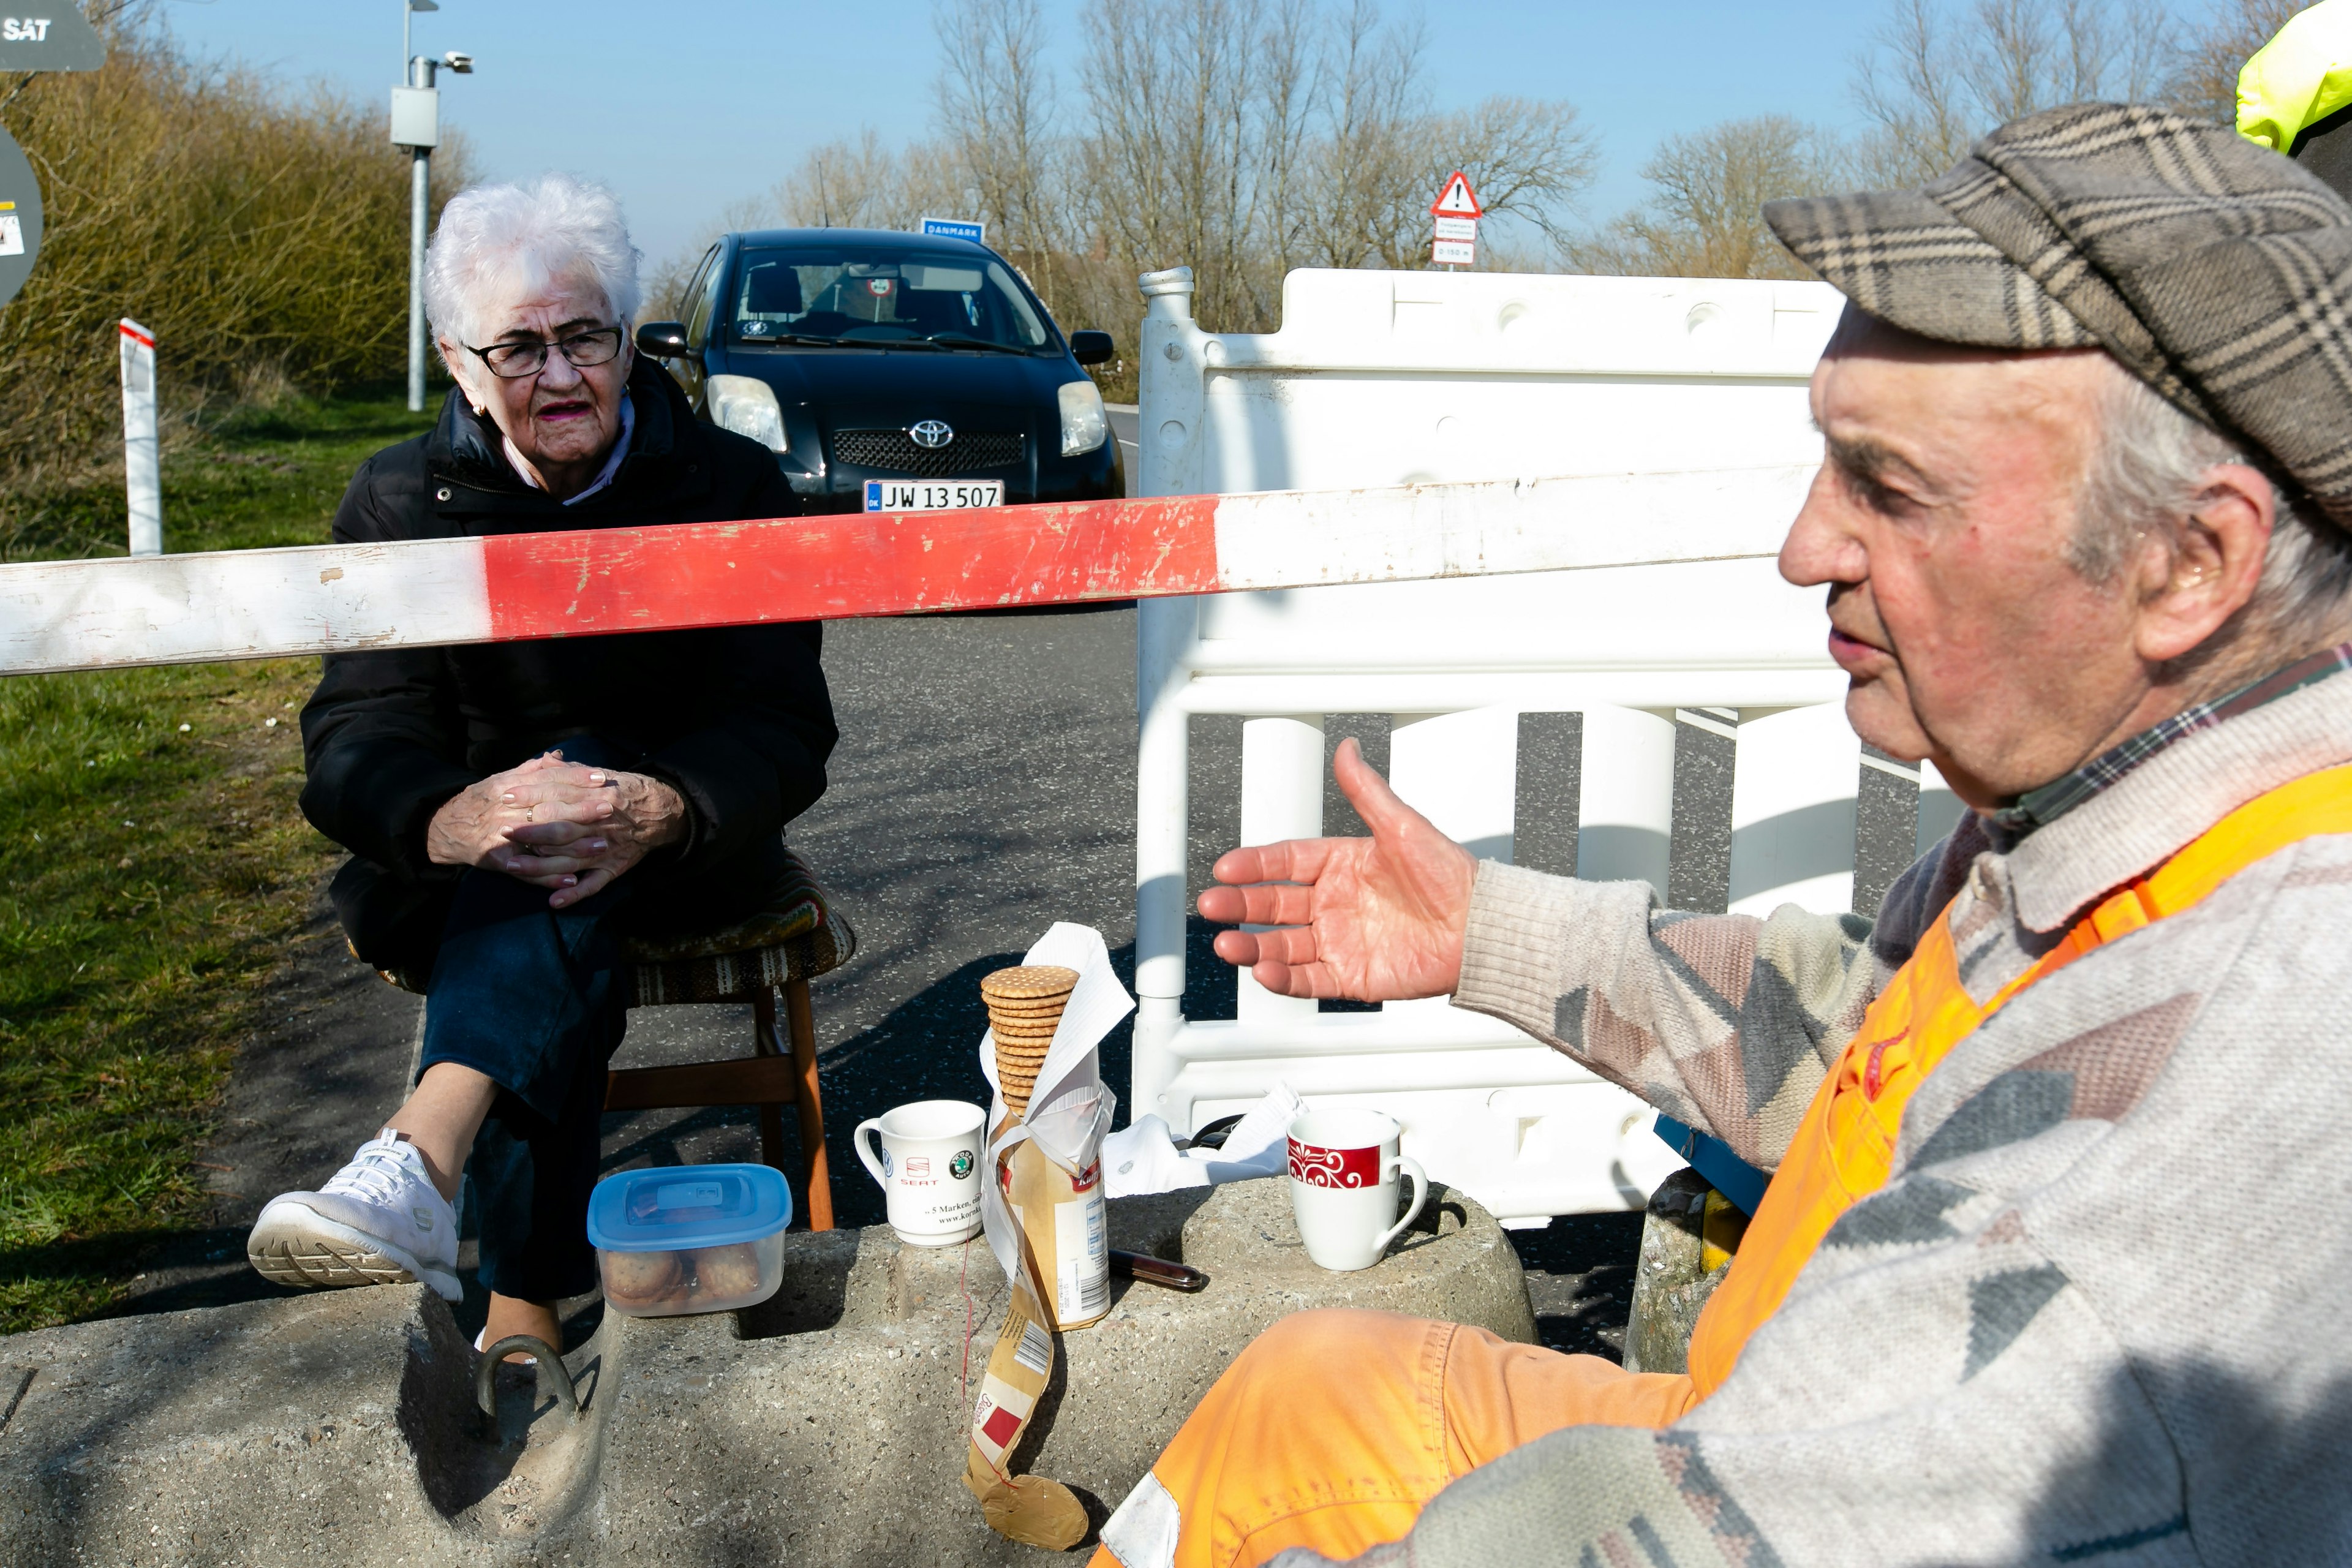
(2299, 78)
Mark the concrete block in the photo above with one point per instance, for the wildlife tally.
(824, 1426)
(1670, 1286)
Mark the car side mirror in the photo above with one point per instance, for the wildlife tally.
(664, 340)
(1091, 347)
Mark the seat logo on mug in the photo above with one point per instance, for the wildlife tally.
(1334, 1167)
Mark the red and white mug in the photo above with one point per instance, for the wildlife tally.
(1344, 1167)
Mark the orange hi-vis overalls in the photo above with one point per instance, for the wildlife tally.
(1334, 1428)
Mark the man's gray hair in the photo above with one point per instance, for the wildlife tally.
(503, 241)
(2147, 475)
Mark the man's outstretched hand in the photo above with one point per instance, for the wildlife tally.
(1378, 919)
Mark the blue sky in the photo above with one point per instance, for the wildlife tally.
(686, 105)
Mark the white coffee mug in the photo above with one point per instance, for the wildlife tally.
(1343, 1186)
(928, 1169)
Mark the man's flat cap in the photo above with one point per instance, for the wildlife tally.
(2218, 272)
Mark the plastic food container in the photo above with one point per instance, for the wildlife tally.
(689, 1238)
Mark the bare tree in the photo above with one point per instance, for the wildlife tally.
(1384, 152)
(2204, 79)
(1705, 218)
(1933, 83)
(1240, 139)
(995, 121)
(1168, 171)
(1365, 164)
(861, 185)
(1527, 158)
(845, 184)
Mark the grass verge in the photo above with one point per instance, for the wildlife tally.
(153, 866)
(260, 477)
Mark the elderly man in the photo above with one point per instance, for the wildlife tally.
(512, 809)
(2049, 1267)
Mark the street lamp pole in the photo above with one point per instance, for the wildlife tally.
(420, 194)
(416, 125)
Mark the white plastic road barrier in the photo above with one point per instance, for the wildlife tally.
(1382, 378)
(142, 470)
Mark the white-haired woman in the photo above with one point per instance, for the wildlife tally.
(510, 808)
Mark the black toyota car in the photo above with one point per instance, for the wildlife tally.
(891, 371)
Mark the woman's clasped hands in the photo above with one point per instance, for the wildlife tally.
(556, 824)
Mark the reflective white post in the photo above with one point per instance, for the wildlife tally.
(143, 467)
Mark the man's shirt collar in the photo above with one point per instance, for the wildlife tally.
(2040, 807)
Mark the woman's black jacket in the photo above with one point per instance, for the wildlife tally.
(737, 719)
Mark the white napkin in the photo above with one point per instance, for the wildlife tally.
(1143, 1158)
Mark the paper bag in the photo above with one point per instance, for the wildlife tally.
(1028, 1508)
(1045, 1219)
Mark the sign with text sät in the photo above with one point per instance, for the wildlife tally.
(57, 38)
(956, 228)
(20, 218)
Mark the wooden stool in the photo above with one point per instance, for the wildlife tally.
(767, 960)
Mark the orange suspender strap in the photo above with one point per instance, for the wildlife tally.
(1844, 1148)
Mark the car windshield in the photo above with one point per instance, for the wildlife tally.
(814, 294)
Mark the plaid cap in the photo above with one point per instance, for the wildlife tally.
(2215, 270)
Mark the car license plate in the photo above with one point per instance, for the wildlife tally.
(931, 495)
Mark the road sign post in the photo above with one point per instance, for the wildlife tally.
(1457, 213)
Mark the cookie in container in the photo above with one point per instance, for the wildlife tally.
(689, 1238)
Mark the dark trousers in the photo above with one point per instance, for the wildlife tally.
(531, 998)
(535, 999)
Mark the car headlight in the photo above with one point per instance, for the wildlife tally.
(1083, 425)
(747, 405)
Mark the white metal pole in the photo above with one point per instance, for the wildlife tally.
(141, 458)
(420, 179)
(1169, 395)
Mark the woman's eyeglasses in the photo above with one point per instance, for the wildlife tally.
(528, 356)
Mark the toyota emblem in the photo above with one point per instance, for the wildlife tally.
(931, 433)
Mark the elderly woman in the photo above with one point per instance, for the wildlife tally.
(511, 809)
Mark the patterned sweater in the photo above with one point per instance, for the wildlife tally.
(2103, 1310)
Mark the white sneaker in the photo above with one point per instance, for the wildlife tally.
(379, 1222)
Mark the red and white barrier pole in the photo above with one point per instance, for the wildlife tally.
(179, 609)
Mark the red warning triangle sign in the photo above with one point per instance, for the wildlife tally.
(1457, 199)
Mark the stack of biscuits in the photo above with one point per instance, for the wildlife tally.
(1025, 1006)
